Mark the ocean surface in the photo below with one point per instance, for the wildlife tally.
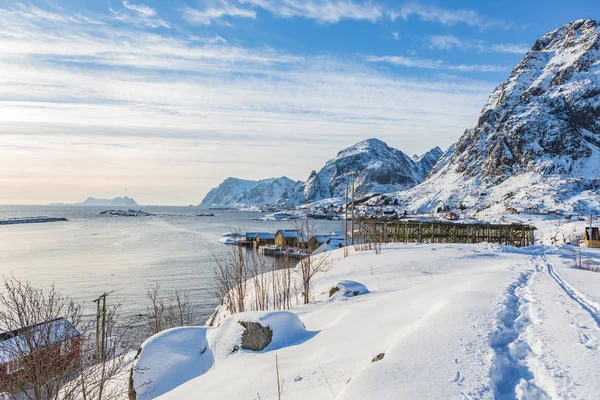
(92, 253)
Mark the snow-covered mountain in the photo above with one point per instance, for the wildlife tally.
(379, 169)
(117, 201)
(234, 192)
(537, 141)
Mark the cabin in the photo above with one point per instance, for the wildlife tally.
(592, 237)
(324, 247)
(56, 342)
(451, 216)
(289, 238)
(264, 239)
(318, 240)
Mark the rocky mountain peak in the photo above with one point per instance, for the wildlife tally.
(545, 117)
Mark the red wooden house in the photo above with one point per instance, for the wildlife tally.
(54, 344)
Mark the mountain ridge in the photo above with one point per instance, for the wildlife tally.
(537, 140)
(380, 168)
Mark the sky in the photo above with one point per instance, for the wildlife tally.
(163, 100)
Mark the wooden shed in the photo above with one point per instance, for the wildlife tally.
(592, 237)
(289, 238)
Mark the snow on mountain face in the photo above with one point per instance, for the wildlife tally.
(233, 192)
(543, 121)
(379, 169)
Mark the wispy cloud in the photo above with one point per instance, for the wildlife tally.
(217, 13)
(139, 15)
(450, 42)
(325, 11)
(446, 16)
(217, 39)
(141, 9)
(64, 84)
(434, 64)
(511, 48)
(334, 11)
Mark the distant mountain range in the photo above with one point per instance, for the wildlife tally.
(537, 141)
(234, 192)
(379, 169)
(116, 202)
(535, 145)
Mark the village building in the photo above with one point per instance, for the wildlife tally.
(591, 236)
(56, 341)
(264, 239)
(289, 238)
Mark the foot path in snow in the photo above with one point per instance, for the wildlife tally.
(592, 308)
(536, 352)
(510, 373)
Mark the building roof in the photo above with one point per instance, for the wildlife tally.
(265, 235)
(13, 343)
(321, 238)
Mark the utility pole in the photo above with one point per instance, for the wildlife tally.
(101, 327)
(352, 224)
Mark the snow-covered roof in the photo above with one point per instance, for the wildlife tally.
(13, 343)
(264, 235)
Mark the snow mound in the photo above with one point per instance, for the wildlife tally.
(287, 329)
(175, 356)
(348, 288)
(171, 358)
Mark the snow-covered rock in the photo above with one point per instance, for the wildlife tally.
(234, 192)
(348, 288)
(542, 125)
(175, 356)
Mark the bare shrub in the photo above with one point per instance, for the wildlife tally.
(166, 312)
(308, 266)
(231, 275)
(52, 353)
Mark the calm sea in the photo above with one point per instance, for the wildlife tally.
(92, 253)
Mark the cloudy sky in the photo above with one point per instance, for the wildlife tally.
(162, 100)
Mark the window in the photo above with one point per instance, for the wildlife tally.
(13, 366)
(66, 348)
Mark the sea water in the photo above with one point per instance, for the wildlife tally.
(92, 253)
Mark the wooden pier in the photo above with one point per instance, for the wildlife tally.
(444, 232)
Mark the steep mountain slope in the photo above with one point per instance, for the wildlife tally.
(233, 192)
(537, 141)
(379, 169)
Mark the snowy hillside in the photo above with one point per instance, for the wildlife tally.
(437, 321)
(233, 192)
(539, 132)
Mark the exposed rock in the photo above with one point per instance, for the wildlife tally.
(255, 337)
(543, 120)
(348, 288)
(378, 357)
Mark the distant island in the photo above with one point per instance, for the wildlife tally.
(116, 202)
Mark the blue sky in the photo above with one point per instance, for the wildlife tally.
(163, 100)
